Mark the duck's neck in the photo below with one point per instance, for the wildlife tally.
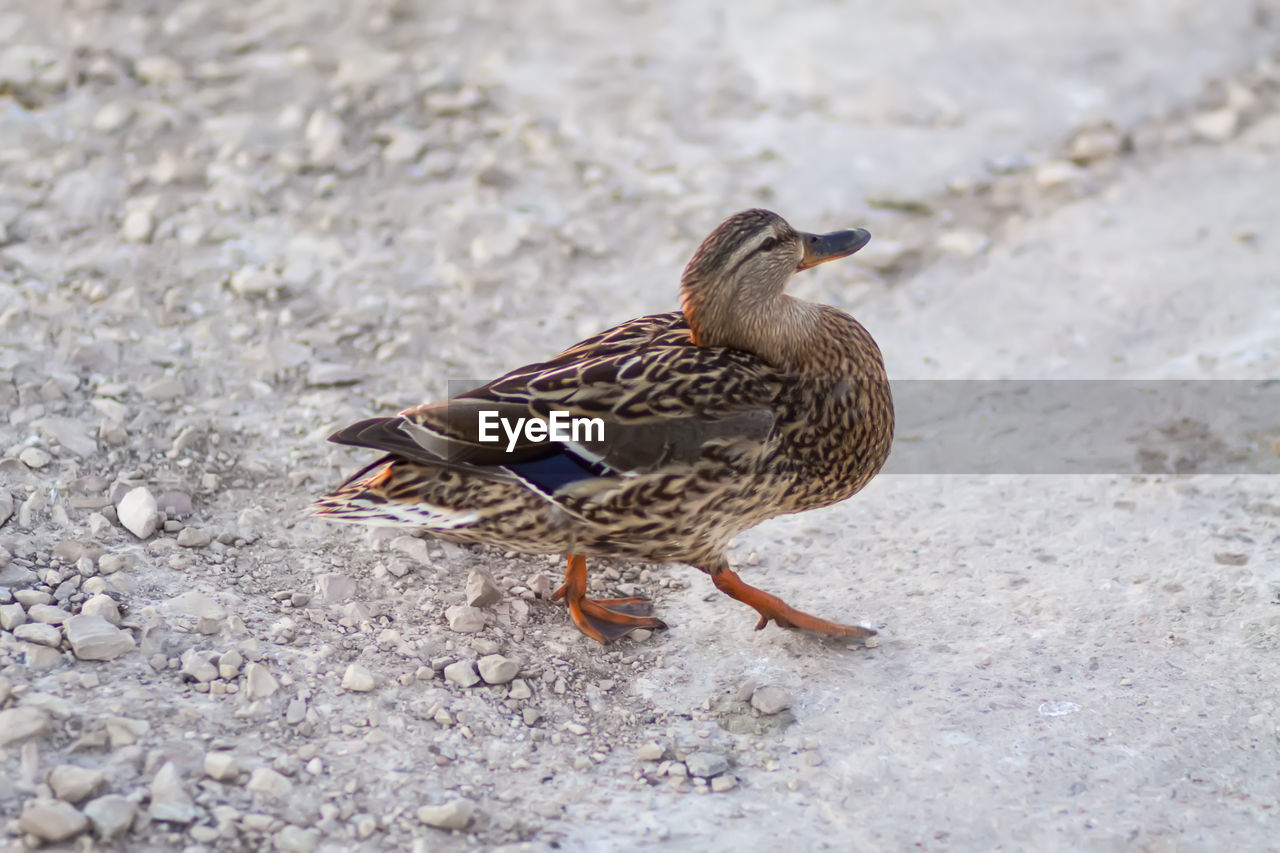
(778, 328)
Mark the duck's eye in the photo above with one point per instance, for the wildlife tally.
(768, 244)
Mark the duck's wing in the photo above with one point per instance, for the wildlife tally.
(642, 395)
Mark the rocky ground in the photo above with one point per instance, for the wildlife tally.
(226, 231)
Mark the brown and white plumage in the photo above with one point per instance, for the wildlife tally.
(745, 405)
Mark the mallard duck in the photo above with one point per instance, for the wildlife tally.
(744, 405)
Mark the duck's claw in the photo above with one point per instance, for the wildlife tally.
(772, 608)
(602, 619)
(605, 624)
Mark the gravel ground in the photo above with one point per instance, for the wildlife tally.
(226, 231)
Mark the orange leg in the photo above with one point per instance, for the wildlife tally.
(602, 619)
(772, 607)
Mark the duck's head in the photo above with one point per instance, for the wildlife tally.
(732, 290)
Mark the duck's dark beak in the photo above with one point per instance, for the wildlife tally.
(820, 248)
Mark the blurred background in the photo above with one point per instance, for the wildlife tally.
(475, 184)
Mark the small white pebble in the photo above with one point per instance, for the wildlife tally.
(358, 679)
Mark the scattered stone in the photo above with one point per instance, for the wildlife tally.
(495, 669)
(404, 145)
(482, 591)
(770, 700)
(295, 839)
(221, 765)
(74, 784)
(39, 633)
(229, 664)
(451, 816)
(334, 588)
(86, 567)
(356, 612)
(720, 784)
(465, 619)
(138, 512)
(111, 815)
(138, 225)
(253, 281)
(260, 683)
(266, 782)
(197, 665)
(462, 673)
(191, 537)
(41, 657)
(34, 457)
(358, 679)
(159, 70)
(52, 820)
(203, 833)
(1216, 126)
(286, 765)
(32, 597)
(1056, 173)
(102, 605)
(122, 731)
(1096, 144)
(112, 116)
(19, 724)
(51, 704)
(651, 751)
(67, 588)
(366, 825)
(48, 614)
(14, 576)
(706, 765)
(169, 799)
(324, 133)
(519, 690)
(11, 616)
(540, 585)
(109, 564)
(412, 546)
(92, 637)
